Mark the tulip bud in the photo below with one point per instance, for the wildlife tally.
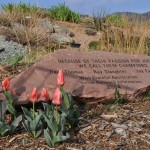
(34, 95)
(5, 83)
(45, 94)
(57, 99)
(60, 78)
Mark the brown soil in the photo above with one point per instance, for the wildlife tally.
(80, 36)
(94, 131)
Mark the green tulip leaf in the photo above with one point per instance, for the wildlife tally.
(34, 124)
(27, 113)
(2, 110)
(15, 123)
(48, 138)
(11, 109)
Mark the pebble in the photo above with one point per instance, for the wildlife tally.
(121, 132)
(115, 125)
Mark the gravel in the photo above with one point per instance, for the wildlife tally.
(10, 50)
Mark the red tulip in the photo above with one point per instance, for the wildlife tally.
(34, 95)
(45, 94)
(5, 83)
(60, 78)
(57, 99)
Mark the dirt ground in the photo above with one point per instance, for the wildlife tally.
(102, 127)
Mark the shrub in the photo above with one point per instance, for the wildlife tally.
(115, 20)
(95, 45)
(63, 13)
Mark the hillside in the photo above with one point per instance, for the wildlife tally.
(133, 15)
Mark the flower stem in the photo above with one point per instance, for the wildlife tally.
(56, 113)
(64, 98)
(33, 113)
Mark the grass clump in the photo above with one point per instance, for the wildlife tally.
(5, 21)
(96, 45)
(63, 13)
(115, 20)
(120, 34)
(99, 20)
(24, 13)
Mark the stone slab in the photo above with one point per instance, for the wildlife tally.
(87, 74)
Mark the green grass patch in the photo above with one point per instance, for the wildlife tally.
(63, 13)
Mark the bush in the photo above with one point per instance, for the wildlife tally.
(116, 20)
(63, 13)
(96, 45)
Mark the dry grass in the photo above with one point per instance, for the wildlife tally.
(23, 27)
(131, 38)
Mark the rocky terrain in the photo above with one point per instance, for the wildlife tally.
(102, 126)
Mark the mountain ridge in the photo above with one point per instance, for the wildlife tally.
(133, 14)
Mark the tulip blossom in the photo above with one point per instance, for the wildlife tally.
(5, 83)
(57, 99)
(34, 95)
(60, 78)
(45, 94)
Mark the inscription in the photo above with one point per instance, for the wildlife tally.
(109, 72)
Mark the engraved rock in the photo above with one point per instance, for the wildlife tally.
(93, 75)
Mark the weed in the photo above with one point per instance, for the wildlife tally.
(119, 100)
(115, 20)
(147, 94)
(95, 45)
(24, 13)
(99, 20)
(4, 20)
(63, 13)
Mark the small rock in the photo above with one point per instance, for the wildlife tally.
(61, 38)
(147, 136)
(90, 32)
(133, 124)
(115, 125)
(46, 25)
(121, 132)
(137, 129)
(61, 29)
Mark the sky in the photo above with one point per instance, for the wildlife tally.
(92, 6)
